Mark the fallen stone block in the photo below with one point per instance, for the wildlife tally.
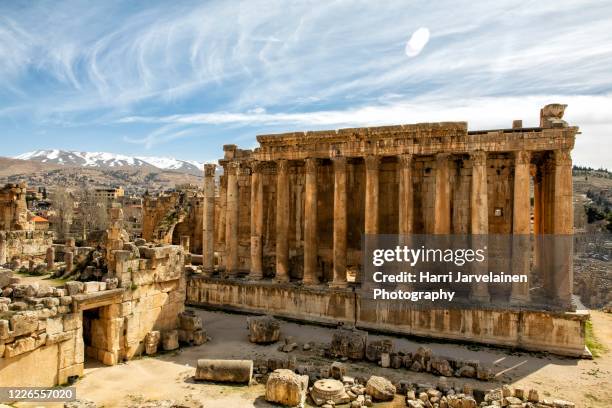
(376, 348)
(350, 343)
(152, 342)
(337, 370)
(170, 340)
(263, 329)
(329, 391)
(189, 321)
(380, 389)
(234, 371)
(286, 388)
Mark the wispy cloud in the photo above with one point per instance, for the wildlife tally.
(163, 71)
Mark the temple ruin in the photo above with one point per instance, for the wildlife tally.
(284, 234)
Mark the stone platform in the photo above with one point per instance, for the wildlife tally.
(561, 333)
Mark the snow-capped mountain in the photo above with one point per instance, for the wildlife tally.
(110, 160)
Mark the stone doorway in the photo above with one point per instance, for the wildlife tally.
(101, 335)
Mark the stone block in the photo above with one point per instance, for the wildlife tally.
(170, 340)
(286, 388)
(263, 329)
(72, 321)
(19, 346)
(91, 287)
(24, 323)
(5, 277)
(64, 374)
(54, 325)
(74, 287)
(151, 342)
(4, 329)
(375, 349)
(380, 389)
(349, 343)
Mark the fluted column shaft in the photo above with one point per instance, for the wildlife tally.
(257, 220)
(340, 223)
(521, 220)
(282, 221)
(442, 196)
(372, 164)
(405, 194)
(208, 219)
(231, 223)
(310, 223)
(563, 226)
(479, 211)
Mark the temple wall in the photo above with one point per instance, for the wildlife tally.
(559, 333)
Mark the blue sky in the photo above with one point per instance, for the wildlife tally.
(183, 78)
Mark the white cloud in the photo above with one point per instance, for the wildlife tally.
(417, 42)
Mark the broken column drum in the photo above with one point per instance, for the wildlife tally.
(234, 371)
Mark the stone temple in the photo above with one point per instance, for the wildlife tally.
(282, 231)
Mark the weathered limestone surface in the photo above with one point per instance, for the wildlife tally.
(561, 333)
(286, 388)
(235, 371)
(263, 329)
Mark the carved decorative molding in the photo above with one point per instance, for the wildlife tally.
(209, 170)
(311, 165)
(372, 162)
(522, 157)
(479, 158)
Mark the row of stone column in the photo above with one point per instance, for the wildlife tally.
(442, 216)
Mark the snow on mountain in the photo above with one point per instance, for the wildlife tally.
(110, 160)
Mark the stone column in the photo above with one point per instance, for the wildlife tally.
(50, 258)
(563, 227)
(3, 250)
(372, 164)
(340, 223)
(69, 259)
(479, 211)
(186, 243)
(310, 224)
(282, 220)
(521, 227)
(442, 196)
(208, 223)
(231, 223)
(405, 194)
(257, 220)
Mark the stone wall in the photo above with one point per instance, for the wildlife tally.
(559, 333)
(46, 333)
(167, 218)
(24, 245)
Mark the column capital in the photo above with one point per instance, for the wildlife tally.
(372, 162)
(339, 163)
(209, 169)
(442, 157)
(311, 165)
(479, 158)
(233, 168)
(282, 165)
(257, 166)
(562, 157)
(405, 159)
(522, 157)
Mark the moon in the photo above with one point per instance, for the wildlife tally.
(417, 42)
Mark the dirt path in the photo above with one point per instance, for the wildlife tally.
(586, 382)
